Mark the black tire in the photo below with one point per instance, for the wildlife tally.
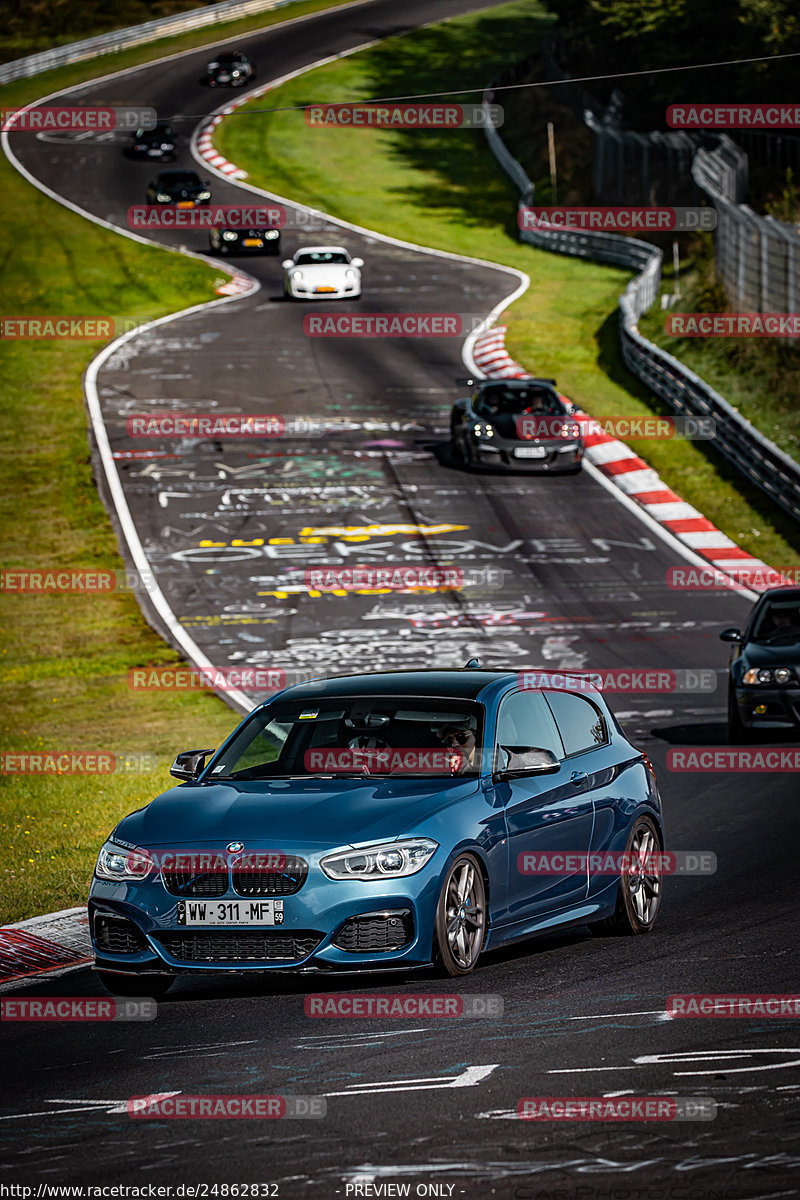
(154, 986)
(737, 734)
(460, 918)
(639, 895)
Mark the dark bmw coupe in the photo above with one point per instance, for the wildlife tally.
(764, 670)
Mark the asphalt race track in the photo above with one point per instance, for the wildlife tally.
(565, 576)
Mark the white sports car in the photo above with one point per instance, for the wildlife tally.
(322, 273)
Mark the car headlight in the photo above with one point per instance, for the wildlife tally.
(767, 675)
(204, 195)
(297, 276)
(272, 234)
(122, 864)
(228, 235)
(483, 429)
(391, 859)
(349, 273)
(163, 197)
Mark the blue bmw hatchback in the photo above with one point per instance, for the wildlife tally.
(389, 820)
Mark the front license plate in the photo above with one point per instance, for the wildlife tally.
(253, 242)
(186, 204)
(230, 912)
(324, 289)
(530, 452)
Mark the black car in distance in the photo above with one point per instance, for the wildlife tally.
(158, 143)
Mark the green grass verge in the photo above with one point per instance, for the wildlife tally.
(759, 376)
(444, 189)
(64, 659)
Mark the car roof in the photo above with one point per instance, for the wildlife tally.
(321, 249)
(781, 593)
(464, 683)
(519, 384)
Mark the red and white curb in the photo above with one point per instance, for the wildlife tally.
(206, 149)
(44, 945)
(237, 285)
(638, 481)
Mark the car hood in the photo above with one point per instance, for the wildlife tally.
(507, 425)
(758, 655)
(286, 814)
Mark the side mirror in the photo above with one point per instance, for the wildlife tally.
(527, 760)
(356, 262)
(287, 262)
(731, 635)
(189, 764)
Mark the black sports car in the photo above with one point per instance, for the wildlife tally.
(153, 143)
(764, 669)
(518, 424)
(230, 70)
(184, 188)
(245, 241)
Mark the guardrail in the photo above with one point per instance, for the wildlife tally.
(758, 459)
(134, 35)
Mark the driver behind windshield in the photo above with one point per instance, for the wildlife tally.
(461, 741)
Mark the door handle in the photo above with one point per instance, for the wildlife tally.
(578, 778)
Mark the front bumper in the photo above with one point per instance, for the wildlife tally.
(350, 293)
(501, 455)
(782, 705)
(316, 918)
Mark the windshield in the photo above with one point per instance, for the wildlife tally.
(347, 736)
(778, 621)
(230, 60)
(503, 400)
(311, 258)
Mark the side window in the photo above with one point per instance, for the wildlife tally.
(525, 720)
(580, 724)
